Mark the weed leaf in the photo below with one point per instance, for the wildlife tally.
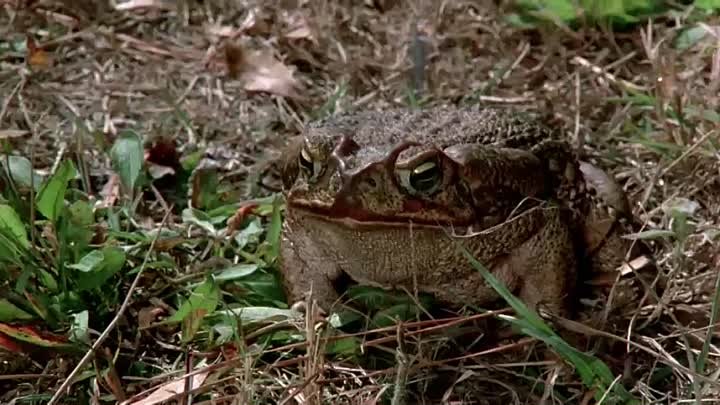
(235, 272)
(9, 312)
(52, 195)
(709, 5)
(389, 316)
(260, 314)
(21, 171)
(593, 372)
(274, 230)
(98, 266)
(202, 302)
(127, 157)
(12, 225)
(32, 335)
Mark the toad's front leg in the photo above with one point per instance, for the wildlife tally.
(304, 269)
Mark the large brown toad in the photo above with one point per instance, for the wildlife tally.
(386, 197)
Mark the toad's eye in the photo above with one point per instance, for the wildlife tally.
(312, 168)
(425, 178)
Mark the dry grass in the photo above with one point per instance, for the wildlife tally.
(633, 103)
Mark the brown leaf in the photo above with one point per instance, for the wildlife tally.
(144, 4)
(148, 315)
(169, 389)
(9, 344)
(163, 152)
(110, 191)
(166, 244)
(236, 220)
(33, 335)
(297, 26)
(37, 58)
(12, 133)
(263, 73)
(159, 171)
(234, 58)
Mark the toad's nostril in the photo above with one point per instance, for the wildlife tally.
(370, 182)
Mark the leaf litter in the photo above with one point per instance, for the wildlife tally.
(235, 72)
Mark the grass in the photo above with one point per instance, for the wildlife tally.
(140, 221)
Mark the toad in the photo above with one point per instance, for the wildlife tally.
(387, 197)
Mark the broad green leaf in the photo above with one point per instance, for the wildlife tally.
(263, 288)
(260, 314)
(235, 272)
(39, 303)
(47, 279)
(689, 37)
(250, 234)
(79, 225)
(9, 312)
(21, 170)
(97, 267)
(375, 298)
(680, 206)
(372, 298)
(127, 157)
(12, 225)
(399, 312)
(202, 302)
(343, 317)
(190, 161)
(199, 218)
(650, 235)
(709, 5)
(79, 331)
(274, 230)
(347, 346)
(205, 183)
(10, 252)
(90, 262)
(52, 195)
(617, 12)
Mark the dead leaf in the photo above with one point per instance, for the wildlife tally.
(159, 171)
(148, 315)
(143, 4)
(110, 191)
(221, 30)
(263, 73)
(251, 25)
(9, 344)
(234, 58)
(37, 57)
(163, 152)
(169, 389)
(12, 133)
(236, 220)
(634, 265)
(32, 335)
(297, 26)
(254, 24)
(166, 244)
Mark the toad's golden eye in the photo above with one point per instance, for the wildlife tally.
(312, 168)
(306, 161)
(425, 178)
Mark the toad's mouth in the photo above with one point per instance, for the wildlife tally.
(359, 217)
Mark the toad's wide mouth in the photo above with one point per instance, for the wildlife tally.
(360, 218)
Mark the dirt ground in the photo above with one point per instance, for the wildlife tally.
(241, 77)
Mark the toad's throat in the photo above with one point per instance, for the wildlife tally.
(358, 216)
